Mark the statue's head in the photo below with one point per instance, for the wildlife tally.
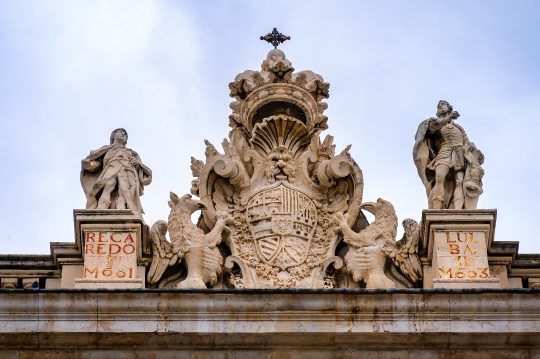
(119, 132)
(443, 107)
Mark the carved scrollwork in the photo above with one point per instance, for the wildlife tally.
(278, 182)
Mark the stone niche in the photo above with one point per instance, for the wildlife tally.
(457, 244)
(111, 245)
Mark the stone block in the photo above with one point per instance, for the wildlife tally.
(466, 283)
(69, 274)
(27, 283)
(48, 354)
(534, 282)
(111, 246)
(457, 243)
(9, 283)
(515, 282)
(500, 272)
(53, 283)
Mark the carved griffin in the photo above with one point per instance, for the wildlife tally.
(369, 248)
(202, 258)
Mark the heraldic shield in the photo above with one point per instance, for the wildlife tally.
(282, 222)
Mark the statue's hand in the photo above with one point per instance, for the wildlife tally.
(134, 161)
(89, 165)
(340, 220)
(224, 219)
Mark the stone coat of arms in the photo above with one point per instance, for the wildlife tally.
(282, 221)
(279, 182)
(283, 198)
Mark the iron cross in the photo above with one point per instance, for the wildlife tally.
(275, 38)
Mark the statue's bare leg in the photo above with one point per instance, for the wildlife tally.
(105, 199)
(437, 194)
(459, 198)
(126, 191)
(123, 191)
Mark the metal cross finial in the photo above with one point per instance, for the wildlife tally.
(275, 38)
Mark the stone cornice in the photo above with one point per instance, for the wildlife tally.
(210, 318)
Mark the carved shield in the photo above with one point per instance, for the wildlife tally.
(282, 221)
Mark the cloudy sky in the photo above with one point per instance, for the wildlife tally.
(72, 71)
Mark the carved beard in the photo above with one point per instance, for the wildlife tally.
(440, 113)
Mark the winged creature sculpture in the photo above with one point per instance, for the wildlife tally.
(369, 248)
(202, 258)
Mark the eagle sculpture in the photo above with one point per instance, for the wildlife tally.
(202, 258)
(369, 248)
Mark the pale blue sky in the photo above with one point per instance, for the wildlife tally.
(72, 71)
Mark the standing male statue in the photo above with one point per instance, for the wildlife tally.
(448, 164)
(113, 176)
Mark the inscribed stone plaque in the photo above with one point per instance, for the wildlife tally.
(110, 260)
(461, 257)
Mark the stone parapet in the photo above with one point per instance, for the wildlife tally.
(323, 322)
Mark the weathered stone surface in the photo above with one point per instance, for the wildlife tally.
(69, 274)
(9, 283)
(369, 249)
(456, 243)
(461, 260)
(111, 244)
(109, 257)
(202, 258)
(272, 354)
(28, 283)
(336, 321)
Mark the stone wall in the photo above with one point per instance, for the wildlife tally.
(411, 323)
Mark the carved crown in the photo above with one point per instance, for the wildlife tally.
(278, 90)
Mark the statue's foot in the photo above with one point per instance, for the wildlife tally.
(458, 203)
(194, 283)
(438, 202)
(103, 203)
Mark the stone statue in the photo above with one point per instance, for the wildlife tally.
(202, 258)
(369, 248)
(113, 176)
(448, 164)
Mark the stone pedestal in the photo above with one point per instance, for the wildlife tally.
(111, 245)
(456, 244)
